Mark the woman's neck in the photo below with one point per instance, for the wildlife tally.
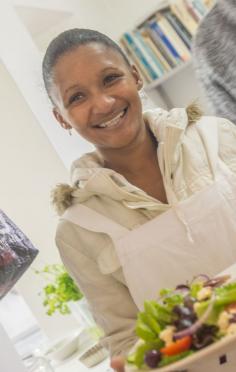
(134, 158)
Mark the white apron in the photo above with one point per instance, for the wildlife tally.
(195, 236)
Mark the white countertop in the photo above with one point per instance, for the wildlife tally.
(73, 364)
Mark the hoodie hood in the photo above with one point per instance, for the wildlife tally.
(90, 178)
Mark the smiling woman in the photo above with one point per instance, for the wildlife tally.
(132, 219)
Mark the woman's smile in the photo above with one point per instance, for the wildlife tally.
(113, 123)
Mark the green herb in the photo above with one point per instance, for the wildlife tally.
(60, 290)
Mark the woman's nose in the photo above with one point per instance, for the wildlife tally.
(102, 103)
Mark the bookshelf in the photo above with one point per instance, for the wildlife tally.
(160, 44)
(158, 82)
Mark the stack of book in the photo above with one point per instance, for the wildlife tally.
(163, 41)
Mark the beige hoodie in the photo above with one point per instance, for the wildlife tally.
(187, 152)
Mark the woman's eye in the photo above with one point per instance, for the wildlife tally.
(76, 97)
(110, 78)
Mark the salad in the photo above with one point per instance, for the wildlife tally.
(184, 320)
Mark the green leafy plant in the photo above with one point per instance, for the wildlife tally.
(60, 289)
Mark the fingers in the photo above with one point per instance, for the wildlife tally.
(118, 364)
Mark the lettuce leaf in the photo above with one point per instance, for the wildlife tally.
(174, 358)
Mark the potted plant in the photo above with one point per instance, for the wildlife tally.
(60, 290)
(61, 294)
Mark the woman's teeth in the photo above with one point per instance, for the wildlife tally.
(113, 122)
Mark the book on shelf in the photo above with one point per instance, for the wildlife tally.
(200, 6)
(161, 47)
(130, 39)
(134, 59)
(147, 39)
(193, 10)
(179, 28)
(163, 41)
(156, 29)
(180, 10)
(173, 37)
(150, 55)
(147, 53)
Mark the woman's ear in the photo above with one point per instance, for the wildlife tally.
(137, 77)
(59, 118)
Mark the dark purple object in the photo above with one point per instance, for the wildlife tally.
(204, 336)
(16, 253)
(233, 318)
(183, 324)
(189, 302)
(182, 287)
(152, 358)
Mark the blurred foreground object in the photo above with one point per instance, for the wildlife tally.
(214, 56)
(16, 253)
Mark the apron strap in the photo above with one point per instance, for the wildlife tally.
(89, 219)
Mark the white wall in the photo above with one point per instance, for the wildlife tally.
(111, 17)
(183, 89)
(29, 169)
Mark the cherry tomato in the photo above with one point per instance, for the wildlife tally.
(178, 346)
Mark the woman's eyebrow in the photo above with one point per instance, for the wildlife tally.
(72, 87)
(109, 68)
(75, 86)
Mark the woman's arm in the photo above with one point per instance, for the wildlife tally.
(110, 301)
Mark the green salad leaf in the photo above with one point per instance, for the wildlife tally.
(150, 321)
(225, 295)
(195, 288)
(174, 358)
(164, 314)
(165, 291)
(172, 300)
(143, 330)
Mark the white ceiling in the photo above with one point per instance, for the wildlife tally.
(37, 20)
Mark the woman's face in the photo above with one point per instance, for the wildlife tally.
(96, 93)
